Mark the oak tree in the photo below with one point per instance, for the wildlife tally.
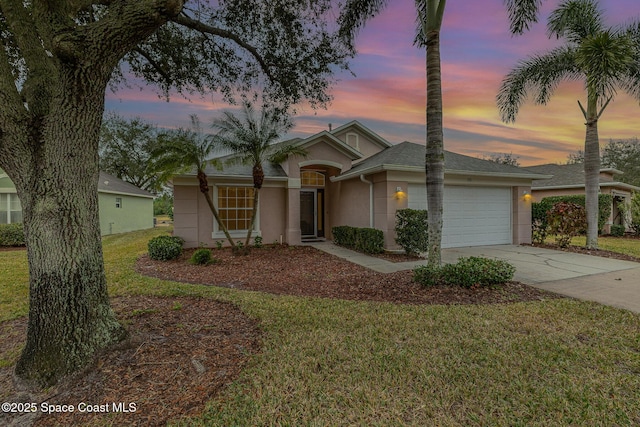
(56, 61)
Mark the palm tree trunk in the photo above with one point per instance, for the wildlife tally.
(254, 212)
(592, 172)
(204, 189)
(434, 159)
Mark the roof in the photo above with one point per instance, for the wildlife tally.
(111, 184)
(409, 156)
(572, 176)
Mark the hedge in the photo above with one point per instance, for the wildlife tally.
(539, 210)
(12, 234)
(367, 240)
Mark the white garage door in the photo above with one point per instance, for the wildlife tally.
(473, 216)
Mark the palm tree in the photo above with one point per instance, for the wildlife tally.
(251, 139)
(606, 59)
(185, 149)
(430, 14)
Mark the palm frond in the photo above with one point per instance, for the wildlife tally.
(576, 20)
(522, 13)
(606, 59)
(538, 76)
(355, 15)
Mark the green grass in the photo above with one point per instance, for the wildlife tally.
(332, 362)
(614, 244)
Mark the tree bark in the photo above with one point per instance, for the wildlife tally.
(70, 318)
(592, 172)
(434, 159)
(49, 127)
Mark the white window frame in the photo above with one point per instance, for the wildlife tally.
(356, 137)
(236, 234)
(118, 202)
(8, 206)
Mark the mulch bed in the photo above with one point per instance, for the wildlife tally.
(306, 271)
(181, 353)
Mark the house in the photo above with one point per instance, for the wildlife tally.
(352, 176)
(123, 206)
(569, 180)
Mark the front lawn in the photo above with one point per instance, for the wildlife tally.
(335, 362)
(623, 245)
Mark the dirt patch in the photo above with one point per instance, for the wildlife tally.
(181, 353)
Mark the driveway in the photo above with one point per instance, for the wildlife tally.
(592, 278)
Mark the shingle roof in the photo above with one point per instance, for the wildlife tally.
(563, 175)
(408, 155)
(270, 170)
(111, 184)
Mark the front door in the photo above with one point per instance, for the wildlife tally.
(311, 208)
(308, 213)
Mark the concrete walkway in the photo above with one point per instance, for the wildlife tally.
(592, 278)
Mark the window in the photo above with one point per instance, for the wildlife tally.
(352, 140)
(312, 179)
(118, 202)
(10, 208)
(235, 206)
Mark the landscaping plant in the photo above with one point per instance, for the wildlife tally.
(411, 230)
(164, 248)
(566, 220)
(202, 256)
(468, 272)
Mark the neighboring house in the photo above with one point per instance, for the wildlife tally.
(352, 176)
(123, 206)
(569, 180)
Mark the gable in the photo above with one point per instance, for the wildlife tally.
(361, 138)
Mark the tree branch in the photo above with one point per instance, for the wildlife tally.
(584, 112)
(604, 106)
(154, 64)
(207, 29)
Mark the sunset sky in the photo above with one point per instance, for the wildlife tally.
(388, 92)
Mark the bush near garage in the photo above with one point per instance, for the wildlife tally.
(539, 210)
(411, 230)
(468, 272)
(566, 220)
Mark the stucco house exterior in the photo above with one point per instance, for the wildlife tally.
(123, 206)
(570, 180)
(352, 176)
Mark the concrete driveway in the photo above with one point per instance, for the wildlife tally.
(592, 278)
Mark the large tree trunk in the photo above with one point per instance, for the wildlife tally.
(592, 173)
(70, 318)
(434, 160)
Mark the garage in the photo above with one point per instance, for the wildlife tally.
(473, 216)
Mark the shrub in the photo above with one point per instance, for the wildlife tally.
(617, 230)
(604, 206)
(566, 220)
(12, 234)
(631, 213)
(344, 235)
(164, 248)
(411, 230)
(202, 256)
(468, 272)
(257, 242)
(539, 224)
(367, 240)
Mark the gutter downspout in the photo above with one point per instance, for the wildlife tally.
(370, 199)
